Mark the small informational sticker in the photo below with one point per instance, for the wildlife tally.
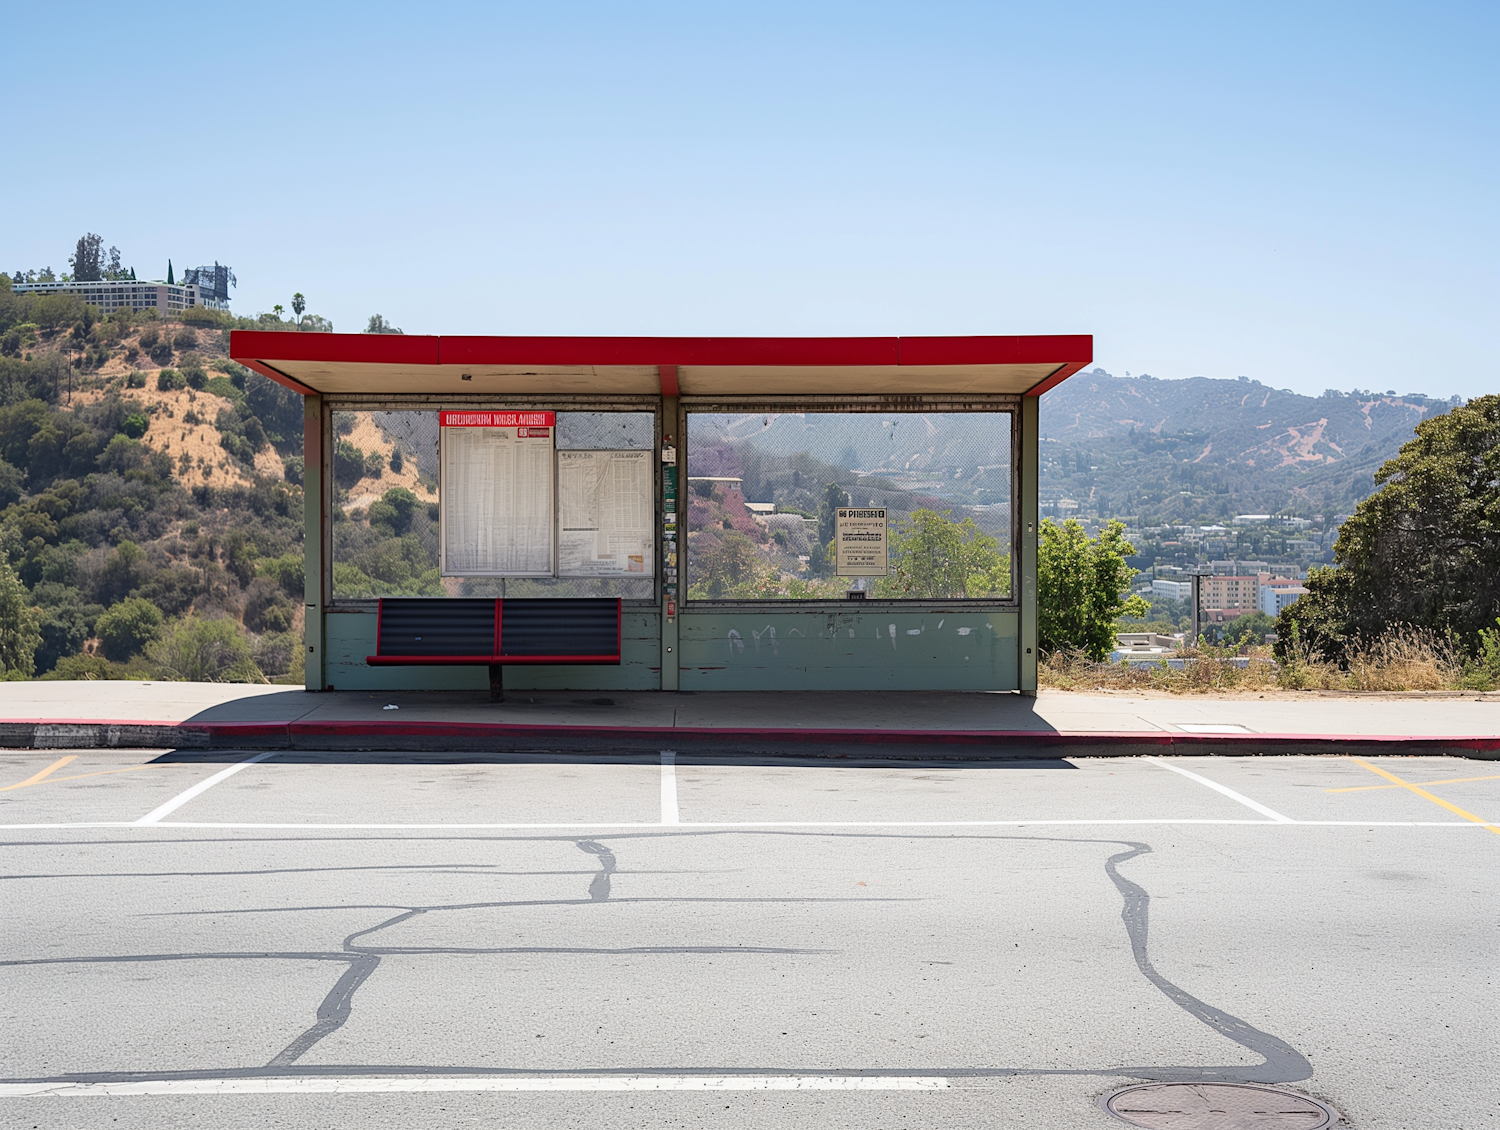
(669, 455)
(860, 542)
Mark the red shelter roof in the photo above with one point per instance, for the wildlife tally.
(315, 363)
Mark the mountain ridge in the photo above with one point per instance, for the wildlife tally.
(1204, 448)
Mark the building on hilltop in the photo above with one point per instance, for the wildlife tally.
(110, 295)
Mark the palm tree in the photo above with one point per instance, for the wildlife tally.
(277, 310)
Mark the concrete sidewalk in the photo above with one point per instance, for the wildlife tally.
(216, 715)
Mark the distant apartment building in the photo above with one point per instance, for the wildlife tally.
(1277, 592)
(110, 295)
(1172, 590)
(1233, 596)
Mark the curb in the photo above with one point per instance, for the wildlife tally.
(414, 737)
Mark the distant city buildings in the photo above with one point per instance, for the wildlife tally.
(1271, 519)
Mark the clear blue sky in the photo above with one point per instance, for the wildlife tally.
(1303, 193)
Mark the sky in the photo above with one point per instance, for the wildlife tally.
(1301, 193)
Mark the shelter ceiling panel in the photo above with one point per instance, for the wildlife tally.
(392, 380)
(892, 380)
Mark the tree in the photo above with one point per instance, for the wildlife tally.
(20, 631)
(205, 651)
(378, 325)
(393, 510)
(1423, 550)
(278, 310)
(1250, 628)
(725, 563)
(299, 305)
(1081, 587)
(125, 629)
(936, 558)
(348, 464)
(834, 496)
(86, 261)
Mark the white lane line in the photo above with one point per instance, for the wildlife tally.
(1218, 788)
(350, 1084)
(669, 787)
(156, 814)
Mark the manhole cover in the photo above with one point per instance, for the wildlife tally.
(1217, 1106)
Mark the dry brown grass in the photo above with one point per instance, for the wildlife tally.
(1210, 673)
(1404, 660)
(205, 460)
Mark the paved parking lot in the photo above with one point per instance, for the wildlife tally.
(292, 939)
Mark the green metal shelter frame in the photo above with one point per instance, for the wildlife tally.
(669, 644)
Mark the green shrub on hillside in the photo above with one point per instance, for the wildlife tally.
(96, 667)
(20, 634)
(125, 629)
(205, 651)
(286, 571)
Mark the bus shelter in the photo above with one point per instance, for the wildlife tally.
(748, 513)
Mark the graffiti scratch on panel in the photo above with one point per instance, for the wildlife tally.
(770, 634)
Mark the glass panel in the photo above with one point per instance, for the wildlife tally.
(763, 489)
(385, 509)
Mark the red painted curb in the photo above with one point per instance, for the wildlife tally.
(290, 731)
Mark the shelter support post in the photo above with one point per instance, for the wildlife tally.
(314, 541)
(673, 482)
(1029, 465)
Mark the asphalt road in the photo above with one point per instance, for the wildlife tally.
(373, 941)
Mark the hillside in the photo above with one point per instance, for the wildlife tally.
(150, 498)
(1202, 450)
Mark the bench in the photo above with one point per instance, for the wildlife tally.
(495, 633)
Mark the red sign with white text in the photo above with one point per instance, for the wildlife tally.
(497, 419)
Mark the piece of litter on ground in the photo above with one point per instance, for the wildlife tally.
(390, 706)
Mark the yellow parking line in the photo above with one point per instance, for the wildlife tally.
(103, 773)
(1449, 781)
(34, 779)
(1421, 792)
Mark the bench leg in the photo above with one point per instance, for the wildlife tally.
(497, 683)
